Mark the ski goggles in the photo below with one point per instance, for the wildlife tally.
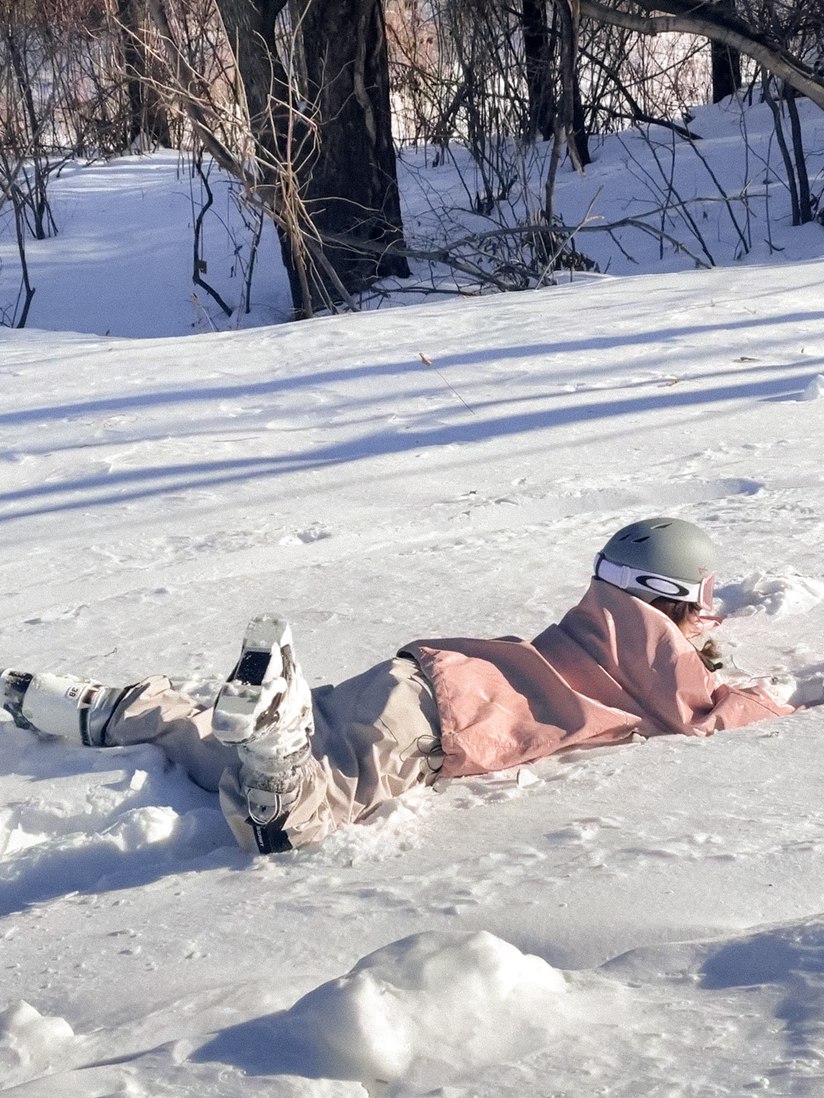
(621, 575)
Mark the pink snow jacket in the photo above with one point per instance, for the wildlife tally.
(614, 666)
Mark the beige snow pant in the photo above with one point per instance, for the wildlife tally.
(376, 735)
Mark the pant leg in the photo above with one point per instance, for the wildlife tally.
(152, 712)
(376, 735)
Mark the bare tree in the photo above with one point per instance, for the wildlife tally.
(726, 62)
(324, 162)
(146, 118)
(330, 139)
(352, 190)
(710, 20)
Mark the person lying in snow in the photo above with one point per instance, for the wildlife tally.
(292, 764)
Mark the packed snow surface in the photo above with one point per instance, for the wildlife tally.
(639, 920)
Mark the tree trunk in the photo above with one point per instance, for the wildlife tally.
(725, 62)
(250, 30)
(579, 127)
(146, 116)
(537, 54)
(353, 189)
(568, 14)
(334, 185)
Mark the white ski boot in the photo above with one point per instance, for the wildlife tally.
(59, 705)
(265, 710)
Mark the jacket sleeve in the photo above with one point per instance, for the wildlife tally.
(735, 706)
(687, 694)
(649, 659)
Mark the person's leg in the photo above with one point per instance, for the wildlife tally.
(59, 705)
(376, 736)
(258, 730)
(85, 712)
(264, 711)
(153, 712)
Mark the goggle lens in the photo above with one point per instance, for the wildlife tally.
(705, 592)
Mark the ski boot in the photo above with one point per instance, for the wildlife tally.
(264, 709)
(59, 705)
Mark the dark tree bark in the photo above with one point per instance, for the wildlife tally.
(146, 115)
(551, 53)
(579, 127)
(537, 55)
(353, 189)
(567, 14)
(345, 193)
(250, 29)
(725, 62)
(36, 200)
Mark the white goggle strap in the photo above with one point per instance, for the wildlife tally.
(621, 575)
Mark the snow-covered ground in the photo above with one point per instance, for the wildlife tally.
(641, 920)
(121, 263)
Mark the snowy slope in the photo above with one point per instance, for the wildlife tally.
(642, 920)
(121, 263)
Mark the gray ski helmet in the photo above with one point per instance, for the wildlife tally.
(660, 557)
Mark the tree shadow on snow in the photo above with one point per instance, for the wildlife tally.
(472, 357)
(128, 485)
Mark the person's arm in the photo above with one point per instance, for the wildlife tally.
(736, 706)
(683, 692)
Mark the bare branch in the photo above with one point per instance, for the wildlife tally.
(704, 19)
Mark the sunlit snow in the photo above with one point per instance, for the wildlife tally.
(640, 920)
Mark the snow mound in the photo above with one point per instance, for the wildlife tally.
(815, 390)
(141, 827)
(790, 594)
(430, 1008)
(28, 1039)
